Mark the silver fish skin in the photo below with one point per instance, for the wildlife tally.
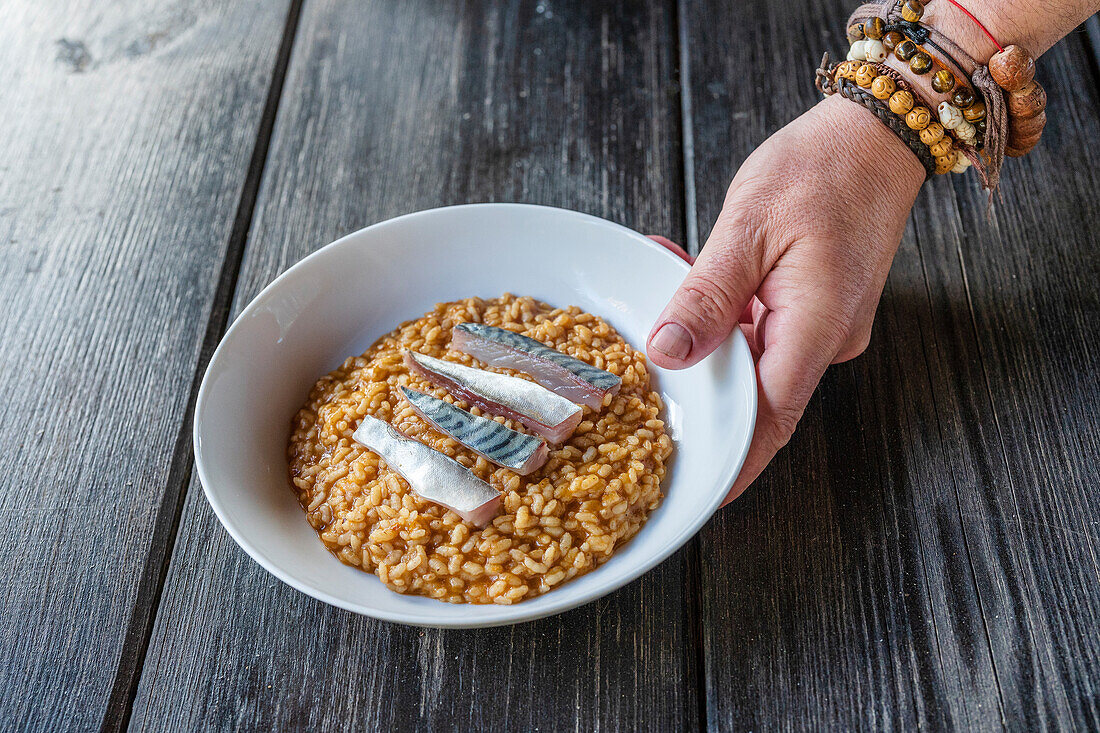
(547, 414)
(569, 377)
(431, 474)
(497, 443)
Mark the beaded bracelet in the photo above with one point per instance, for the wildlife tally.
(949, 151)
(1014, 102)
(875, 39)
(893, 101)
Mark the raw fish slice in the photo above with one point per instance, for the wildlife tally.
(571, 378)
(503, 446)
(551, 416)
(431, 474)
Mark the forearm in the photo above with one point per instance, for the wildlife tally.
(1036, 25)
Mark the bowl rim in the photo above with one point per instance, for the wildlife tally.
(505, 615)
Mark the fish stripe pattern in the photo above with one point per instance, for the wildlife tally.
(501, 445)
(598, 378)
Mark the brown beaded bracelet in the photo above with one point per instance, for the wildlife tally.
(963, 113)
(947, 149)
(899, 98)
(829, 83)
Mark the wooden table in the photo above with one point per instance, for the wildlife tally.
(923, 553)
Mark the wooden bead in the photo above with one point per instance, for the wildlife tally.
(921, 63)
(1020, 129)
(932, 134)
(905, 50)
(961, 164)
(1022, 147)
(866, 74)
(1024, 143)
(874, 28)
(901, 102)
(974, 112)
(966, 133)
(892, 39)
(944, 164)
(938, 149)
(962, 97)
(847, 69)
(883, 86)
(1012, 68)
(918, 118)
(1028, 101)
(912, 10)
(855, 32)
(950, 116)
(874, 51)
(943, 81)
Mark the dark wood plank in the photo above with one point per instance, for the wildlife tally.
(1029, 280)
(391, 108)
(127, 132)
(822, 607)
(1092, 30)
(921, 554)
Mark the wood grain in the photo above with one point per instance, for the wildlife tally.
(389, 108)
(127, 130)
(921, 554)
(1029, 277)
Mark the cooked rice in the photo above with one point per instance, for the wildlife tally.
(593, 494)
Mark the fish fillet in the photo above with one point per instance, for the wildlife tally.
(497, 443)
(431, 474)
(552, 416)
(569, 377)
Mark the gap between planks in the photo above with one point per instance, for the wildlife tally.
(155, 569)
(687, 130)
(690, 228)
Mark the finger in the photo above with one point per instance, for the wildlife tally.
(759, 315)
(856, 343)
(672, 247)
(749, 331)
(748, 315)
(709, 302)
(800, 342)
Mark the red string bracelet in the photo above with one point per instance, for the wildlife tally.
(984, 29)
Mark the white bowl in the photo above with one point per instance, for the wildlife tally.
(337, 301)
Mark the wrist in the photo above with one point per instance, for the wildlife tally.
(879, 158)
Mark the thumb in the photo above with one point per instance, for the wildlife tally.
(708, 304)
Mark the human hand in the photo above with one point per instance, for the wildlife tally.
(797, 258)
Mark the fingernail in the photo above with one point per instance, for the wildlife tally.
(673, 340)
